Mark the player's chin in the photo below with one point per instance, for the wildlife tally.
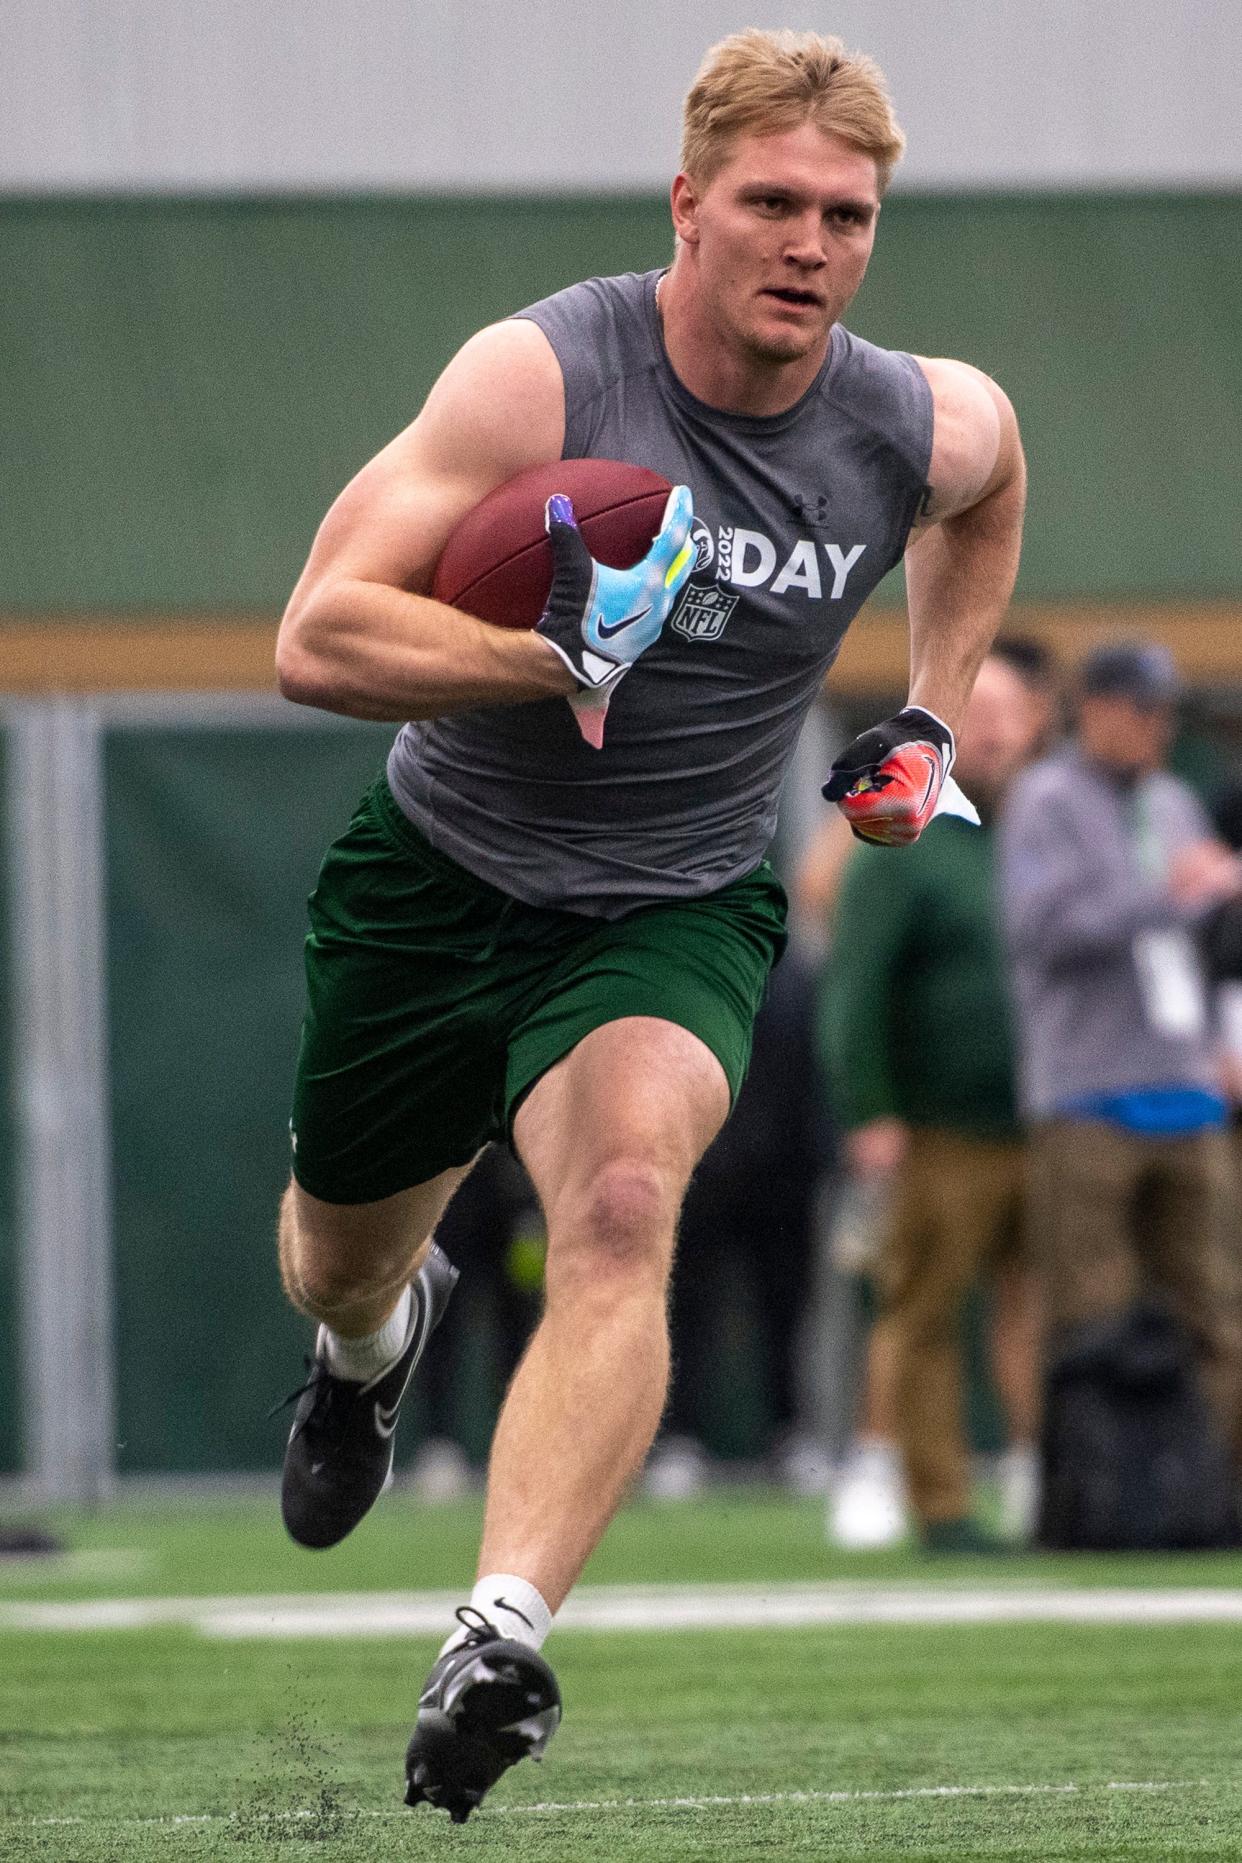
(783, 343)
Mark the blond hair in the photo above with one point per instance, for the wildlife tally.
(769, 81)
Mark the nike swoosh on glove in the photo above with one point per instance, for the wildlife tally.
(599, 620)
(888, 781)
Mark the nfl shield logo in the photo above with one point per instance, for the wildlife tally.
(703, 610)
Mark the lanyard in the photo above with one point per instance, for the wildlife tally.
(1147, 843)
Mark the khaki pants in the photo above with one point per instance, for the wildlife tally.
(958, 1211)
(1115, 1214)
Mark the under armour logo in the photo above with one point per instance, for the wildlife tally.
(812, 508)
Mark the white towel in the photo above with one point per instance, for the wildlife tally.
(953, 801)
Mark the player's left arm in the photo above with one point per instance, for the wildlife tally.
(962, 559)
(961, 564)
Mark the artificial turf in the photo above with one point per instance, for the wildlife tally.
(1020, 1741)
(197, 1546)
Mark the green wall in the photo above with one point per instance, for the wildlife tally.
(214, 838)
(10, 1417)
(189, 382)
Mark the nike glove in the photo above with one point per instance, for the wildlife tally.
(889, 779)
(599, 620)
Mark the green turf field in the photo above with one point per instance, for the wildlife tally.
(1020, 1740)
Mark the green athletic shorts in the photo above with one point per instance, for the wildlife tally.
(435, 1001)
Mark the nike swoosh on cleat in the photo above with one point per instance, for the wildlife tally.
(386, 1419)
(606, 629)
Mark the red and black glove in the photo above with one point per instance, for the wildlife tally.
(889, 779)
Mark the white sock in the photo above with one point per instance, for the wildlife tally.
(516, 1608)
(364, 1359)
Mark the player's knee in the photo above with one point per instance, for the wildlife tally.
(316, 1288)
(327, 1286)
(329, 1267)
(623, 1221)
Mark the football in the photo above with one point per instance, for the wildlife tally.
(497, 564)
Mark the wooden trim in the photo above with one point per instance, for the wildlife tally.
(1205, 639)
(119, 653)
(233, 653)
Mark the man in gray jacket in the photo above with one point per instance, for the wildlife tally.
(1107, 861)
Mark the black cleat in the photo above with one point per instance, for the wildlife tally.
(486, 1705)
(340, 1448)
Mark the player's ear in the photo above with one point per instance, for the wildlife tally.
(684, 201)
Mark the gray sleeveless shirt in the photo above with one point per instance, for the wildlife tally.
(798, 516)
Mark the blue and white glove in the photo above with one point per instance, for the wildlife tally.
(599, 620)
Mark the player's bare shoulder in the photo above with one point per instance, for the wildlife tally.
(497, 408)
(500, 402)
(976, 448)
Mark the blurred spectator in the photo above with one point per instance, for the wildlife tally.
(821, 870)
(916, 1035)
(1220, 942)
(1109, 866)
(748, 1218)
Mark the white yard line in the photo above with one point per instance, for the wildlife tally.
(639, 1607)
(706, 1803)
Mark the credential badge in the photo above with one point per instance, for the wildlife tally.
(703, 610)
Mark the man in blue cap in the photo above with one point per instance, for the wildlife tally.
(1108, 862)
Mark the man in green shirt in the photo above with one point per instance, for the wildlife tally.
(917, 1041)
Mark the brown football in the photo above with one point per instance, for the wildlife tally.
(497, 564)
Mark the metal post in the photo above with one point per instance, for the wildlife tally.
(55, 815)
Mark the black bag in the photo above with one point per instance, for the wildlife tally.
(1133, 1460)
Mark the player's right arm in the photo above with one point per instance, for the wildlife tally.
(960, 570)
(361, 635)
